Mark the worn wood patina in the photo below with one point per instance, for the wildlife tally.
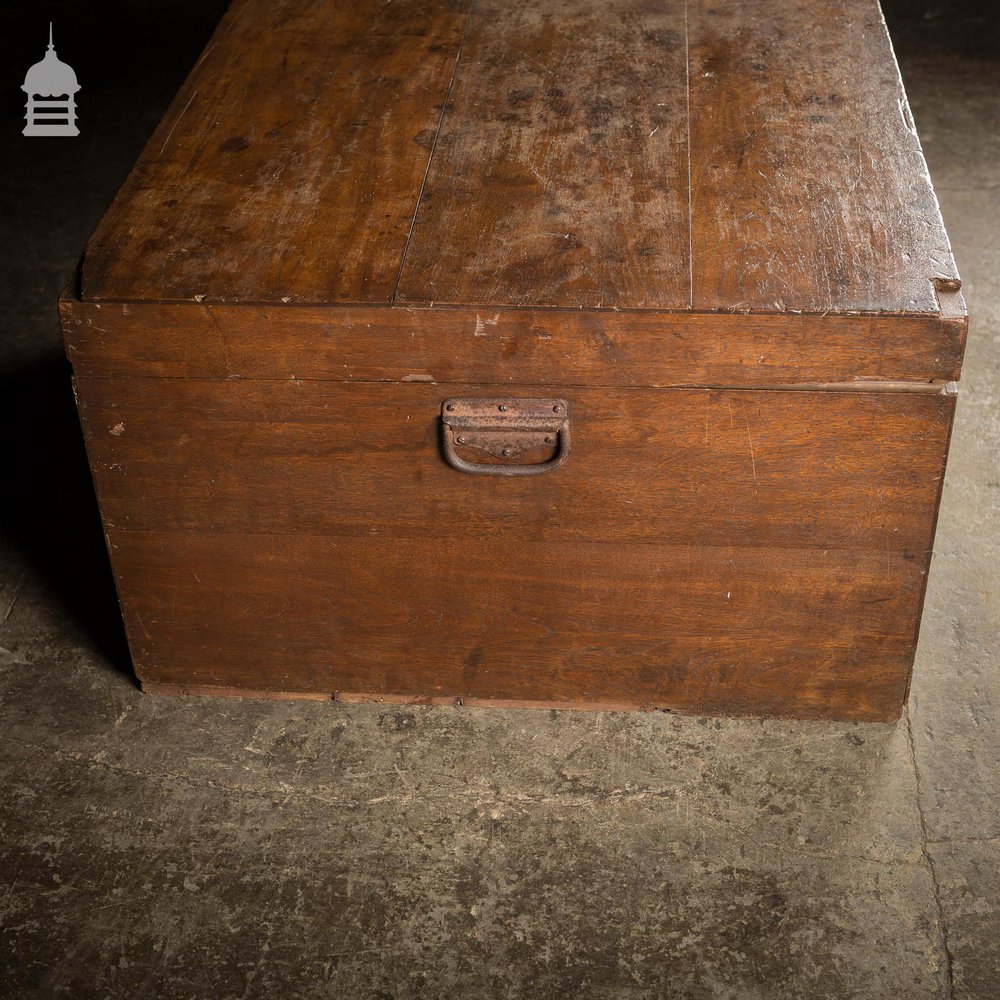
(707, 227)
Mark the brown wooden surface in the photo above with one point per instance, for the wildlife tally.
(706, 628)
(752, 552)
(713, 154)
(809, 190)
(356, 210)
(355, 697)
(675, 467)
(290, 162)
(522, 346)
(561, 172)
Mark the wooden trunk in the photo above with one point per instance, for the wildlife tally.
(599, 354)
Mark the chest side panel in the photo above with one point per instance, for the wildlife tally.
(289, 165)
(708, 550)
(697, 466)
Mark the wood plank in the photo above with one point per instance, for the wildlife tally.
(679, 467)
(728, 630)
(522, 346)
(288, 166)
(809, 188)
(290, 171)
(560, 176)
(355, 697)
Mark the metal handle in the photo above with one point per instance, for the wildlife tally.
(505, 428)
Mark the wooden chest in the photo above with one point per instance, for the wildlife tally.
(593, 353)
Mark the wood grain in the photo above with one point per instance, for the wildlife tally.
(356, 697)
(809, 189)
(739, 551)
(602, 154)
(692, 628)
(560, 176)
(521, 346)
(289, 165)
(706, 224)
(675, 467)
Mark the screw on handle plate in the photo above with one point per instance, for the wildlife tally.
(505, 428)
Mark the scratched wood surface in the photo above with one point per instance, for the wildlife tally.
(692, 154)
(705, 223)
(809, 189)
(560, 174)
(289, 164)
(739, 550)
(696, 628)
(518, 346)
(679, 467)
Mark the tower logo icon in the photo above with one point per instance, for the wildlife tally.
(51, 88)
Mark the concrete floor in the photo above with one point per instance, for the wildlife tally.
(196, 848)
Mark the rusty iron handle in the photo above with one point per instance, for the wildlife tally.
(505, 427)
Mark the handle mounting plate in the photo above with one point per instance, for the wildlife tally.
(505, 428)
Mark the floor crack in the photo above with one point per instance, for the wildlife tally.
(949, 970)
(9, 609)
(946, 841)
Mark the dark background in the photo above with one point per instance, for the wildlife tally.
(130, 58)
